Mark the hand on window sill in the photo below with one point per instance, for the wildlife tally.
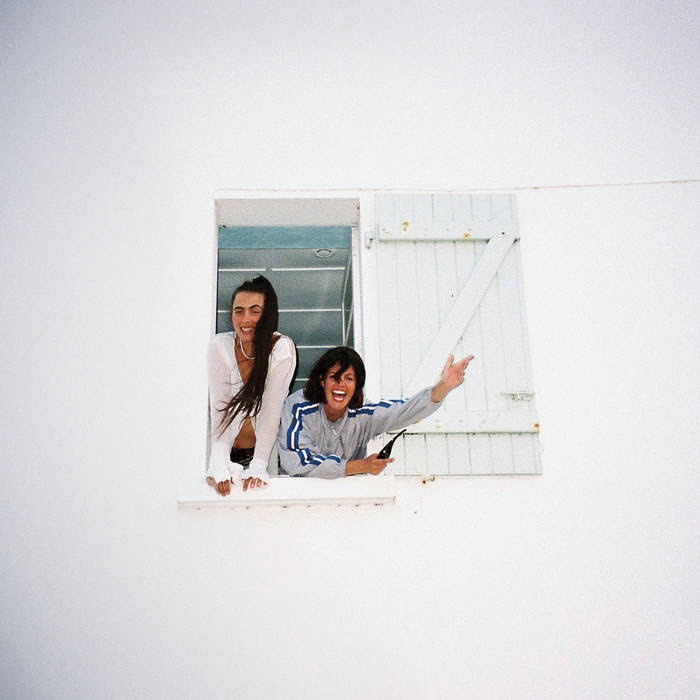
(253, 482)
(223, 488)
(196, 492)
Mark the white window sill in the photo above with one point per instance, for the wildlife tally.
(285, 491)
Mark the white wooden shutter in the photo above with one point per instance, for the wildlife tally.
(448, 280)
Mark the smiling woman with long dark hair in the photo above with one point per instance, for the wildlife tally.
(250, 370)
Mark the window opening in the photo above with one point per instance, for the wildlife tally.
(310, 268)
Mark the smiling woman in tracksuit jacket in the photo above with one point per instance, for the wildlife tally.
(326, 426)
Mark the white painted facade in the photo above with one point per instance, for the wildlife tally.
(119, 125)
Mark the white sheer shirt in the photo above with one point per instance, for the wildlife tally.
(224, 382)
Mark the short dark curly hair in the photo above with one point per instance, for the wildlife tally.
(345, 357)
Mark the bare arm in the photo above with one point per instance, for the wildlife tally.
(451, 377)
(368, 465)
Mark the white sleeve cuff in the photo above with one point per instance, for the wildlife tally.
(219, 462)
(257, 469)
(236, 473)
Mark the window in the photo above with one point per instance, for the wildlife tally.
(406, 279)
(434, 274)
(306, 248)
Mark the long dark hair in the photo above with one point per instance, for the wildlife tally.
(345, 357)
(248, 399)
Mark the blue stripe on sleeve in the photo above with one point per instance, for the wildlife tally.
(299, 410)
(368, 409)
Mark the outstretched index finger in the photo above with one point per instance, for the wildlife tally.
(448, 364)
(463, 363)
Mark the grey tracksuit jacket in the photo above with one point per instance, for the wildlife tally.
(310, 445)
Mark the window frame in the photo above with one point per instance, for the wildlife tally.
(284, 491)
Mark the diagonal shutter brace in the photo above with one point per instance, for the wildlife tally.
(462, 311)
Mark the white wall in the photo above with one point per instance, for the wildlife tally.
(118, 123)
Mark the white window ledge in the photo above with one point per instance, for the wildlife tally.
(285, 491)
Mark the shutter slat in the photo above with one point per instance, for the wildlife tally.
(408, 305)
(458, 453)
(492, 352)
(462, 207)
(389, 327)
(438, 458)
(428, 317)
(480, 453)
(502, 454)
(512, 332)
(422, 207)
(525, 454)
(481, 207)
(442, 207)
(416, 458)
